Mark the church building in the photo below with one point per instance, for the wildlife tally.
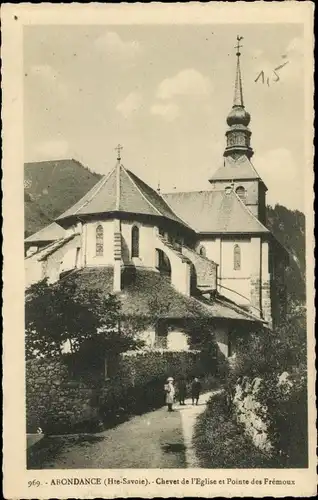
(182, 256)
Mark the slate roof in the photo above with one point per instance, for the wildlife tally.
(143, 286)
(49, 233)
(215, 211)
(122, 191)
(239, 169)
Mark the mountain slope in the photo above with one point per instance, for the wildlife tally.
(288, 226)
(51, 187)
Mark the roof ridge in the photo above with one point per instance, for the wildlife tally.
(118, 169)
(257, 172)
(142, 194)
(172, 210)
(95, 189)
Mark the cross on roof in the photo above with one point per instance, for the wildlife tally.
(238, 46)
(118, 149)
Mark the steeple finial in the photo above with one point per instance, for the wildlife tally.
(238, 92)
(118, 149)
(238, 46)
(238, 135)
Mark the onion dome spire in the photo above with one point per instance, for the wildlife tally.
(238, 135)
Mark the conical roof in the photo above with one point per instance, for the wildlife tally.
(121, 191)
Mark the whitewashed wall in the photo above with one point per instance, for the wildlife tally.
(89, 243)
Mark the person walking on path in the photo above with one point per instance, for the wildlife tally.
(195, 390)
(170, 393)
(182, 390)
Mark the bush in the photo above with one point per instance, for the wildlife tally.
(283, 406)
(287, 419)
(221, 443)
(138, 385)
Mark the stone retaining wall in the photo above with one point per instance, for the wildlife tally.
(53, 401)
(247, 410)
(59, 404)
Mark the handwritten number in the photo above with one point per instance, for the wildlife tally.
(281, 66)
(276, 76)
(275, 73)
(261, 73)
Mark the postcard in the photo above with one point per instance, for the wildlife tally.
(158, 228)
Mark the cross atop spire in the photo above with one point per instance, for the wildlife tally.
(238, 92)
(238, 46)
(118, 149)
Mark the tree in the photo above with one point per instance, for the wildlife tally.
(279, 359)
(269, 353)
(86, 319)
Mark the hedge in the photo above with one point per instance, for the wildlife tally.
(138, 384)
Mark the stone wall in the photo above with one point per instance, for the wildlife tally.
(53, 401)
(59, 402)
(247, 410)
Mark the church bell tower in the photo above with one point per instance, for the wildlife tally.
(237, 171)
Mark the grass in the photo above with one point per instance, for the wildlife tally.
(220, 442)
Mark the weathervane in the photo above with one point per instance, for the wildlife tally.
(118, 149)
(238, 46)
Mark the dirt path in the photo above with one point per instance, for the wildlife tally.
(189, 415)
(155, 440)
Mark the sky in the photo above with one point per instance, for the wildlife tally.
(163, 92)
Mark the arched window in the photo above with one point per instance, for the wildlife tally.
(241, 192)
(202, 251)
(237, 258)
(99, 241)
(135, 241)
